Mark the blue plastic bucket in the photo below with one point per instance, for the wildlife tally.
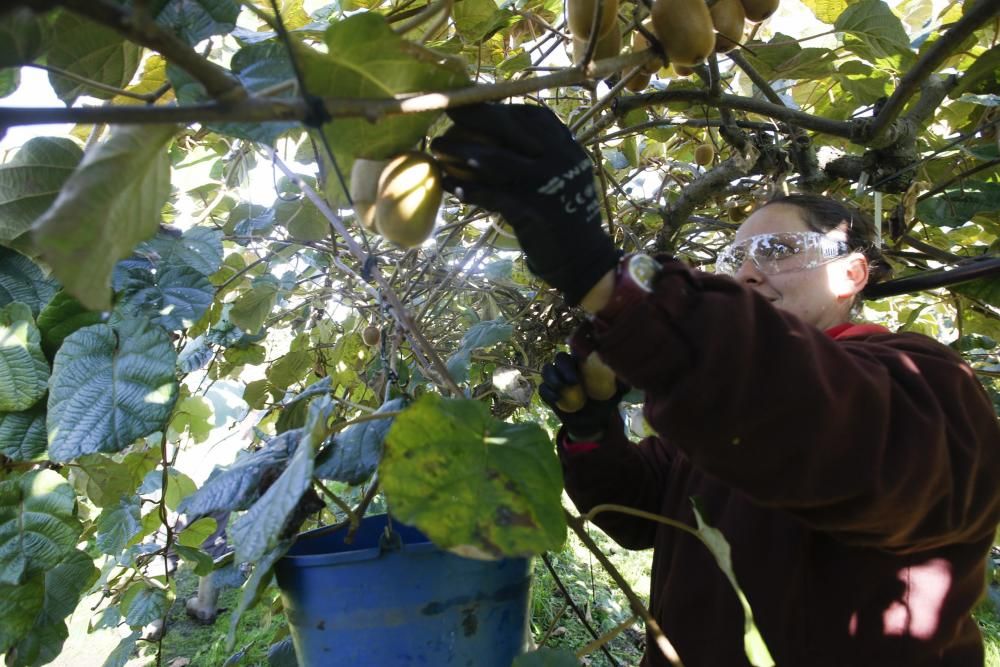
(361, 605)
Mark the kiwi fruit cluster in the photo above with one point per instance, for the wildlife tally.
(598, 383)
(687, 29)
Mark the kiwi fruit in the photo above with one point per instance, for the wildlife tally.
(638, 82)
(704, 154)
(685, 29)
(682, 70)
(409, 195)
(571, 398)
(599, 380)
(729, 18)
(580, 15)
(608, 45)
(758, 10)
(364, 189)
(371, 335)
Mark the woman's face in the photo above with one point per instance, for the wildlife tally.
(822, 295)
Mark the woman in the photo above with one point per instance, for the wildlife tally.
(852, 470)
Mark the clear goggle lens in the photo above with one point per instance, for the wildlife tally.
(781, 253)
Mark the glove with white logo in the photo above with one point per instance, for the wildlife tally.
(523, 162)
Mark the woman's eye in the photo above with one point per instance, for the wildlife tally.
(778, 250)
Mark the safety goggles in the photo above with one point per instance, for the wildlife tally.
(781, 253)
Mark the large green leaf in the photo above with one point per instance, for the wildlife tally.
(122, 653)
(480, 335)
(110, 385)
(30, 181)
(826, 11)
(236, 486)
(19, 606)
(197, 20)
(91, 51)
(110, 203)
(258, 66)
(60, 317)
(22, 280)
(783, 58)
(354, 453)
(956, 206)
(473, 484)
(984, 289)
(260, 530)
(255, 585)
(873, 32)
(199, 248)
(302, 219)
(117, 525)
(21, 37)
(251, 308)
(38, 524)
(63, 586)
(144, 604)
(367, 59)
(173, 296)
(24, 371)
(476, 20)
(22, 434)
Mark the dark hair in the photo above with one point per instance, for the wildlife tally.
(824, 214)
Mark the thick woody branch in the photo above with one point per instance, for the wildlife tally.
(142, 30)
(699, 191)
(980, 12)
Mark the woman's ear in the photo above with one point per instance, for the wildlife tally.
(849, 276)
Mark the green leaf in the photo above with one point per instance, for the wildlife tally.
(38, 526)
(173, 296)
(864, 85)
(19, 606)
(956, 206)
(983, 289)
(10, 80)
(63, 585)
(237, 486)
(826, 11)
(22, 280)
(257, 66)
(22, 434)
(123, 651)
(199, 248)
(24, 371)
(260, 530)
(196, 415)
(197, 20)
(290, 368)
(110, 385)
(197, 532)
(117, 525)
(471, 483)
(783, 58)
(255, 585)
(21, 37)
(201, 561)
(143, 604)
(30, 181)
(60, 317)
(480, 335)
(92, 51)
(547, 657)
(982, 76)
(873, 32)
(302, 219)
(367, 59)
(476, 20)
(251, 308)
(354, 453)
(109, 204)
(753, 643)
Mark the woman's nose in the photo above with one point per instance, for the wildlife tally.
(748, 273)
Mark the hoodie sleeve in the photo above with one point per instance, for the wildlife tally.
(887, 440)
(619, 472)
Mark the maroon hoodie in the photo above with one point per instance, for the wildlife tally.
(853, 472)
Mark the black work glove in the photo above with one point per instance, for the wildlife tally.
(590, 422)
(522, 162)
